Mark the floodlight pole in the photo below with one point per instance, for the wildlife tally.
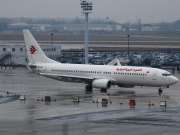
(52, 38)
(86, 39)
(86, 8)
(128, 46)
(52, 43)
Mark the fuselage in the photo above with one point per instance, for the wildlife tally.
(120, 75)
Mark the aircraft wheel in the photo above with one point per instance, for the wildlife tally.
(103, 91)
(89, 87)
(160, 91)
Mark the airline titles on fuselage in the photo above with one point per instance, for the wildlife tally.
(128, 69)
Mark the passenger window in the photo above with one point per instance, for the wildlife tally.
(21, 49)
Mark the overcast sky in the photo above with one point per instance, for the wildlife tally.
(121, 10)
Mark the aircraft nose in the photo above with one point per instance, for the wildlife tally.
(174, 80)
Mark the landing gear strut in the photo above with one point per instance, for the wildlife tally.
(160, 91)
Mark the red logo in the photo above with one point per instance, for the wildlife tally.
(33, 49)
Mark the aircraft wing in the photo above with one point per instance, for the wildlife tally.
(70, 78)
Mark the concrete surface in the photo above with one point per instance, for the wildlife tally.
(66, 117)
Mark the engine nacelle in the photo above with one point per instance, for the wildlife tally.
(102, 83)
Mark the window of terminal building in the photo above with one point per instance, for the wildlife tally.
(21, 49)
(13, 49)
(4, 49)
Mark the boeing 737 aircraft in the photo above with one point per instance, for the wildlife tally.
(95, 76)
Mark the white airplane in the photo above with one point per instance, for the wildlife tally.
(95, 76)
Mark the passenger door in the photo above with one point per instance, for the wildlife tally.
(45, 69)
(154, 77)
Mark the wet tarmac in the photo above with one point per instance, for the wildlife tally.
(64, 116)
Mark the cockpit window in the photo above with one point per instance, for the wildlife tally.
(166, 74)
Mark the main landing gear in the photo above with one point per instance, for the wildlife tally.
(160, 91)
(89, 87)
(103, 91)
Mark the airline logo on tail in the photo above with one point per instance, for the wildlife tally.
(33, 49)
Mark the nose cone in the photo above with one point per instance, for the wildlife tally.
(174, 80)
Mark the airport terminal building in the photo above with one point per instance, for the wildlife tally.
(16, 54)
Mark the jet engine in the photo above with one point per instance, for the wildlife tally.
(102, 83)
